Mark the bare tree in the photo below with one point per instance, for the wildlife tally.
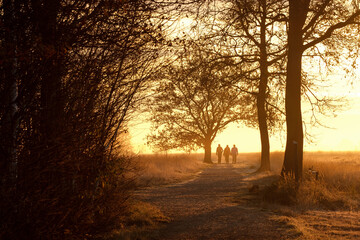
(310, 23)
(258, 24)
(195, 102)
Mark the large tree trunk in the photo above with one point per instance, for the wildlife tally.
(10, 121)
(293, 160)
(207, 147)
(264, 135)
(51, 99)
(52, 109)
(261, 96)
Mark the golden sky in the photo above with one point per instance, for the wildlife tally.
(344, 135)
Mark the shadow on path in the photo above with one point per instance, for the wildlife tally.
(205, 208)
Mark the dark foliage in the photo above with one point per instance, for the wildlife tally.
(69, 76)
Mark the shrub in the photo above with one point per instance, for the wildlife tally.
(283, 191)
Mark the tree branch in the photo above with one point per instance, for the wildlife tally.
(327, 34)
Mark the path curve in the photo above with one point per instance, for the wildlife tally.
(206, 207)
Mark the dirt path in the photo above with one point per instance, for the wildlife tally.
(210, 207)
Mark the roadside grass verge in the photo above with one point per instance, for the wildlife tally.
(142, 218)
(337, 186)
(159, 169)
(324, 208)
(151, 170)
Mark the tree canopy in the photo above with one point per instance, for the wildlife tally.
(195, 100)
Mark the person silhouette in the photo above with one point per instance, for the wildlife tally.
(219, 151)
(227, 153)
(234, 153)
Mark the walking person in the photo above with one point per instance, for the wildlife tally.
(227, 153)
(234, 153)
(219, 151)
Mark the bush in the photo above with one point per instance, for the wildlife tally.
(77, 208)
(283, 191)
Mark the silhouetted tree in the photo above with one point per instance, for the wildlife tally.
(259, 25)
(310, 23)
(195, 102)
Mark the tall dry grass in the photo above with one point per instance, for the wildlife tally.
(323, 208)
(154, 170)
(158, 169)
(337, 186)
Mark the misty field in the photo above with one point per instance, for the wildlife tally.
(323, 208)
(338, 174)
(158, 169)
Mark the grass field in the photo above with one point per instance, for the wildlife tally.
(158, 169)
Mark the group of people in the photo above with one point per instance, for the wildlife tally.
(226, 152)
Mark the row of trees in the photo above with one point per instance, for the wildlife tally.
(258, 45)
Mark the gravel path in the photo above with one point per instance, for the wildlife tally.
(210, 207)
